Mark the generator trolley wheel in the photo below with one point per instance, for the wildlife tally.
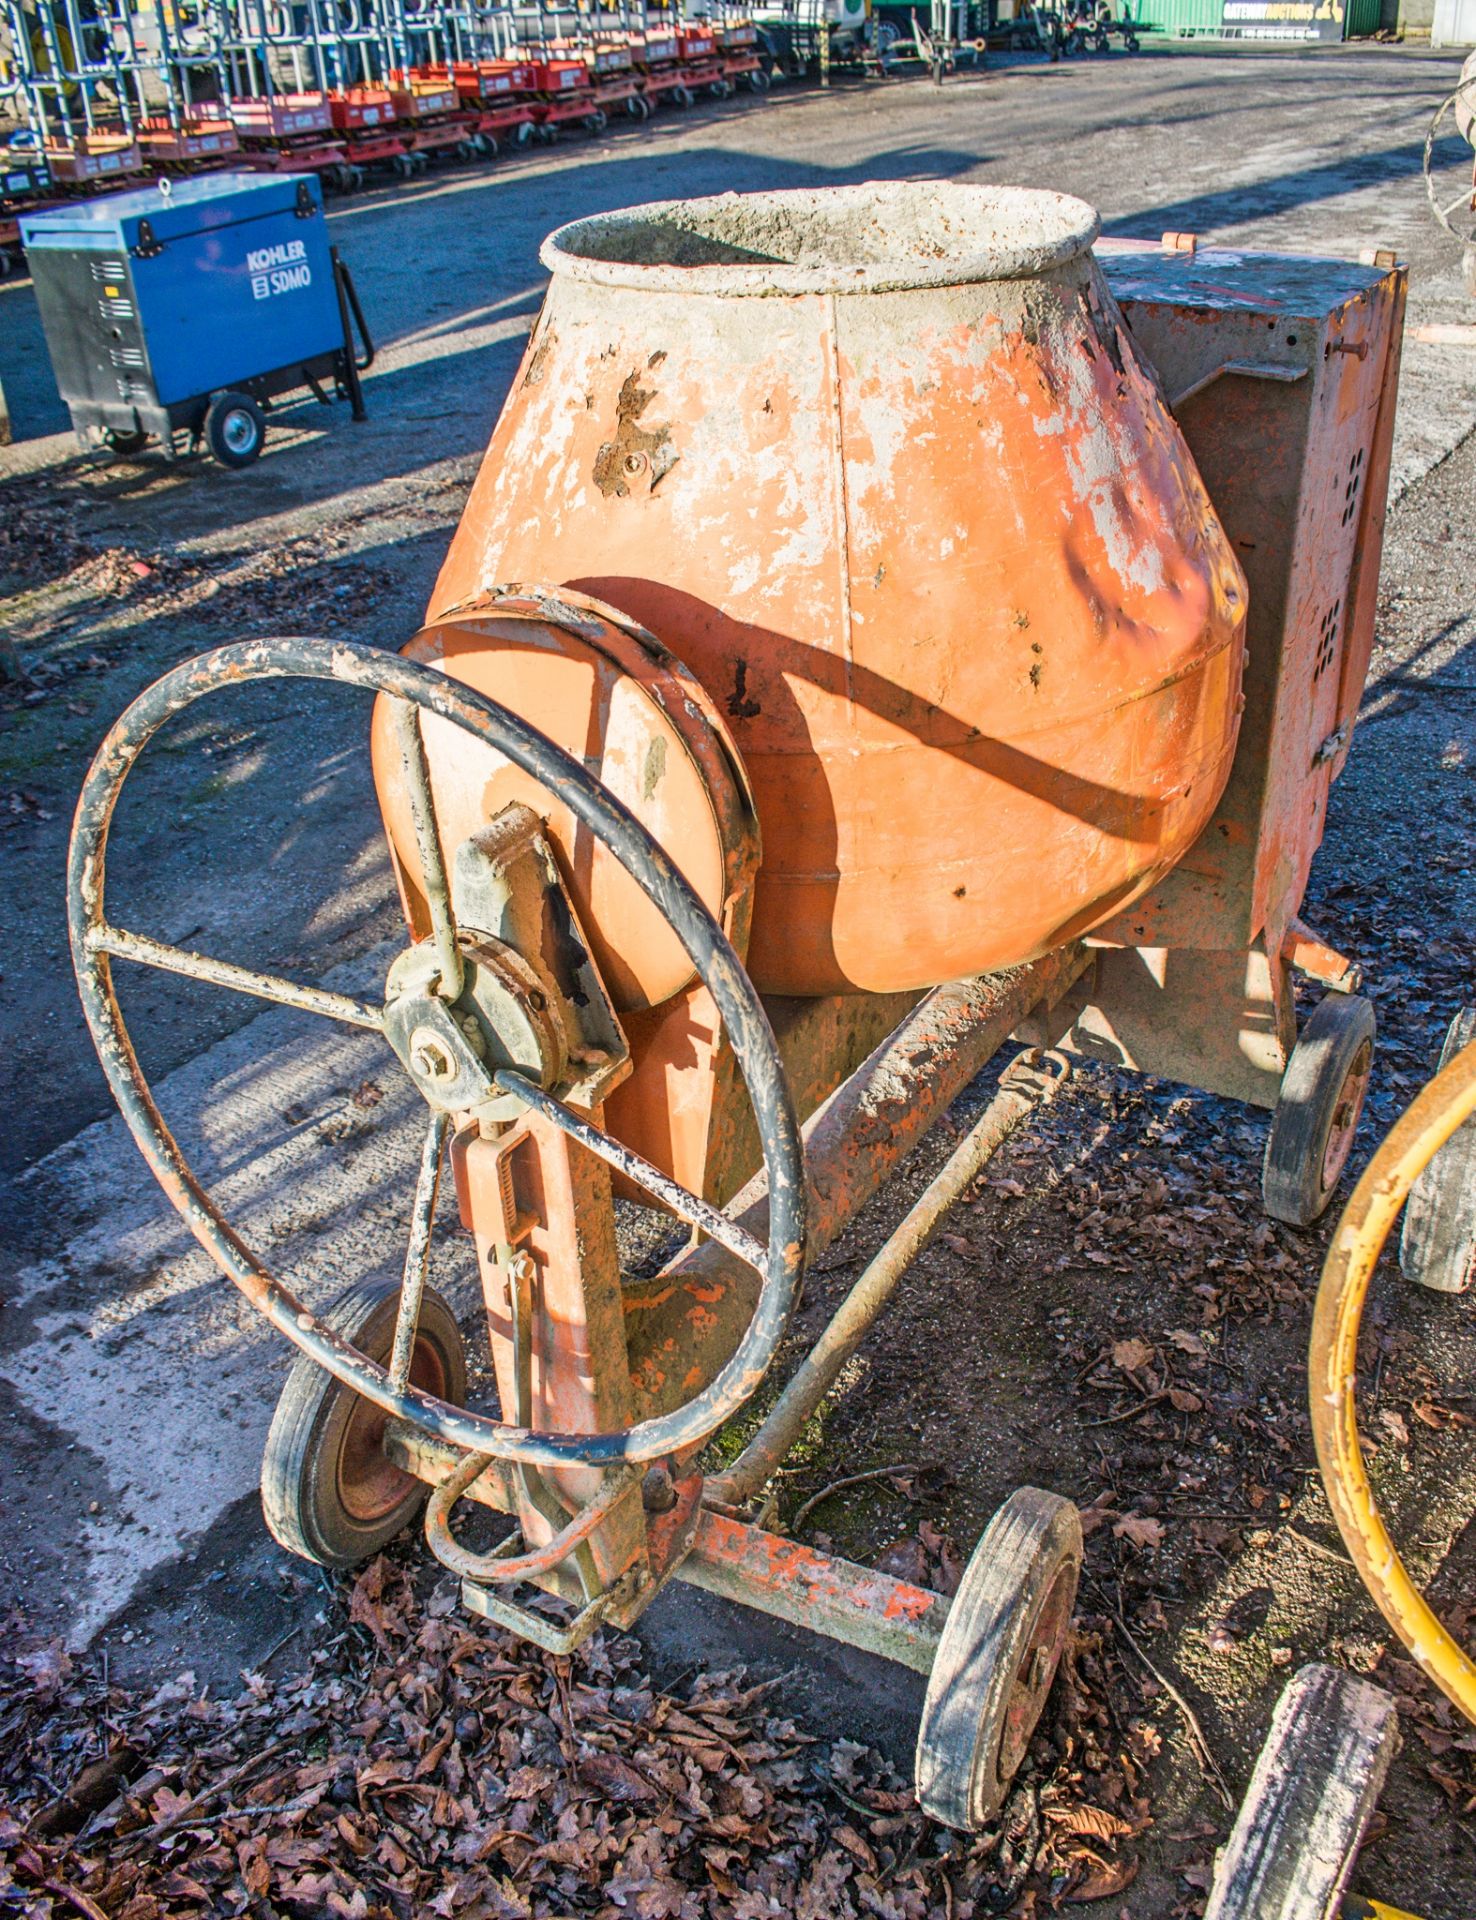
(95, 944)
(327, 1490)
(1315, 1785)
(1316, 1117)
(1437, 1245)
(235, 428)
(124, 443)
(997, 1658)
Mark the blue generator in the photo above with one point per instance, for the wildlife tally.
(190, 306)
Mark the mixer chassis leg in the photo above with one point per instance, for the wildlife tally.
(990, 1652)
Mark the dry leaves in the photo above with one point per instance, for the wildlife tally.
(424, 1764)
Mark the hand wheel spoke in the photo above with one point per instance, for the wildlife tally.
(417, 1254)
(428, 843)
(697, 1213)
(224, 973)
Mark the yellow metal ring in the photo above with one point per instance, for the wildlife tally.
(1435, 1114)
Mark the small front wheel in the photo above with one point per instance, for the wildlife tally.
(998, 1655)
(1437, 1248)
(125, 444)
(328, 1492)
(235, 428)
(1322, 1095)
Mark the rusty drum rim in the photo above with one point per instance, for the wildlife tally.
(1055, 229)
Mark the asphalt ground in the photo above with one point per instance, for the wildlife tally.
(137, 1388)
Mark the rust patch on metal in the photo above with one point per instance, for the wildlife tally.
(546, 342)
(635, 451)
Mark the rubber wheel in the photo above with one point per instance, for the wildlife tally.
(1437, 1247)
(1297, 1834)
(997, 1658)
(235, 428)
(1130, 42)
(1322, 1095)
(523, 135)
(758, 80)
(327, 1491)
(125, 445)
(637, 108)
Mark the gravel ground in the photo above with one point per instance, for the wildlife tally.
(1115, 1256)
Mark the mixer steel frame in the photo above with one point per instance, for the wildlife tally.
(611, 1385)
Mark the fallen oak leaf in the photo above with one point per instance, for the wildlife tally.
(617, 1779)
(1105, 1879)
(1140, 1529)
(1131, 1356)
(1087, 1819)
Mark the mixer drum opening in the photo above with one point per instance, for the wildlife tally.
(883, 467)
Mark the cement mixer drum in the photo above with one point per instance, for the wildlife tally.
(882, 466)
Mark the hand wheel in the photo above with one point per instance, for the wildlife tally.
(448, 1070)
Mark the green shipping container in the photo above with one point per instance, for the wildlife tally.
(1283, 22)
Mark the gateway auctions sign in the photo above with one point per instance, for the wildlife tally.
(1283, 19)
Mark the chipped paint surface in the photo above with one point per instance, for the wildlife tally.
(894, 1618)
(930, 536)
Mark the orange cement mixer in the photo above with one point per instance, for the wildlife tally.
(838, 632)
(884, 468)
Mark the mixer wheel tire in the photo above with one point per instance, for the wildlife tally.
(125, 445)
(1130, 42)
(758, 80)
(682, 97)
(327, 1491)
(638, 107)
(1315, 1785)
(235, 428)
(1437, 1247)
(997, 1658)
(523, 133)
(1322, 1095)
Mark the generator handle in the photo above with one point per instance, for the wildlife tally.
(348, 304)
